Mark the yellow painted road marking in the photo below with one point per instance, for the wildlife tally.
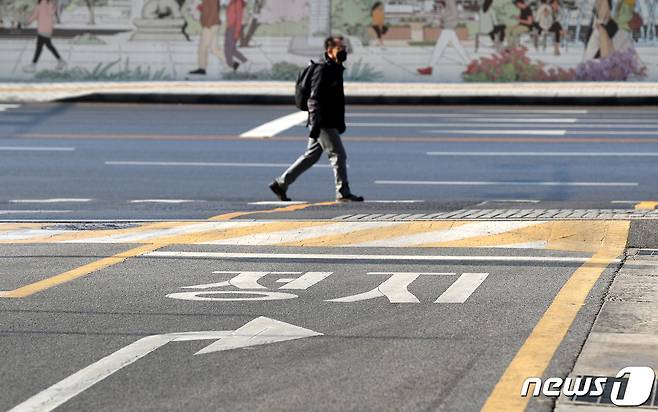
(92, 267)
(648, 205)
(84, 270)
(78, 235)
(572, 235)
(372, 234)
(538, 349)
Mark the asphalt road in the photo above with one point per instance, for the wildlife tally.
(254, 307)
(133, 161)
(372, 355)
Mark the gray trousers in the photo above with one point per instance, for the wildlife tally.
(329, 142)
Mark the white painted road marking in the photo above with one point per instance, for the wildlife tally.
(4, 107)
(56, 200)
(276, 126)
(321, 256)
(450, 235)
(300, 234)
(394, 289)
(548, 154)
(493, 112)
(198, 164)
(485, 183)
(276, 203)
(463, 288)
(260, 331)
(306, 280)
(165, 201)
(31, 212)
(36, 149)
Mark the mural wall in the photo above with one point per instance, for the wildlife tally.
(391, 40)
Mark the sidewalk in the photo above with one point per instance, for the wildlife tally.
(625, 332)
(280, 92)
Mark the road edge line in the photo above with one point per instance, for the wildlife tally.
(537, 351)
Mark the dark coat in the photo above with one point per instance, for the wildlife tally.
(326, 104)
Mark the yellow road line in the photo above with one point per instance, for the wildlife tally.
(156, 244)
(648, 205)
(81, 271)
(537, 351)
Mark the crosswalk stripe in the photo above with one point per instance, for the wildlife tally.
(377, 233)
(142, 236)
(297, 236)
(445, 235)
(574, 235)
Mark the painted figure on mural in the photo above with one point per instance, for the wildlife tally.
(449, 17)
(548, 22)
(234, 16)
(604, 29)
(525, 24)
(209, 30)
(379, 21)
(45, 15)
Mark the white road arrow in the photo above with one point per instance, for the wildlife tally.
(260, 331)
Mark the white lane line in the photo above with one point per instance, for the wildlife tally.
(296, 235)
(548, 132)
(545, 154)
(449, 235)
(276, 203)
(55, 200)
(30, 212)
(508, 201)
(625, 202)
(394, 201)
(463, 288)
(4, 107)
(475, 119)
(320, 256)
(198, 164)
(485, 183)
(276, 126)
(166, 201)
(470, 114)
(36, 149)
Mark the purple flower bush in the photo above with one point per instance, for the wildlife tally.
(618, 66)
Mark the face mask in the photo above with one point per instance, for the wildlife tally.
(341, 56)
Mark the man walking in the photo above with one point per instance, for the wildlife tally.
(326, 118)
(209, 31)
(449, 17)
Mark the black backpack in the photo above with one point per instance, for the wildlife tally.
(303, 86)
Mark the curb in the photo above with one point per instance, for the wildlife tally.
(282, 92)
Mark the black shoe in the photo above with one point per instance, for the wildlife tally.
(198, 71)
(235, 66)
(350, 198)
(279, 191)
